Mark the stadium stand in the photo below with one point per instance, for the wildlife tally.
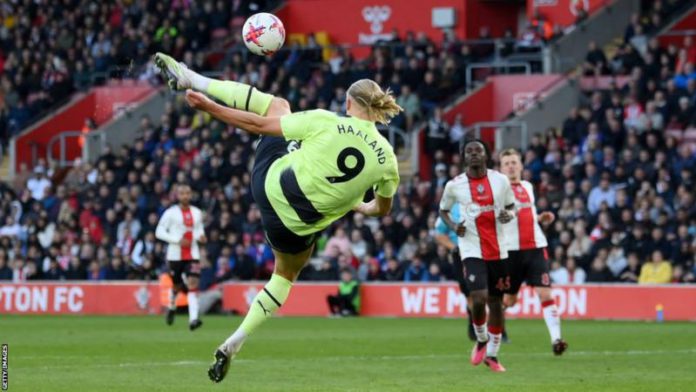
(616, 173)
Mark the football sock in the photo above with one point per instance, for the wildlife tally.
(553, 320)
(234, 94)
(193, 304)
(481, 330)
(494, 341)
(172, 299)
(266, 303)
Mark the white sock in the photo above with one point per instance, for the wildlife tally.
(198, 81)
(193, 305)
(172, 299)
(493, 344)
(553, 320)
(234, 343)
(481, 332)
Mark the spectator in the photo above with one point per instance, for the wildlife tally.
(631, 272)
(604, 193)
(394, 271)
(38, 184)
(338, 244)
(416, 271)
(656, 271)
(243, 265)
(599, 273)
(5, 270)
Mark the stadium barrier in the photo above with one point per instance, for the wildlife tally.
(609, 301)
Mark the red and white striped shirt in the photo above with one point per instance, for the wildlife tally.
(524, 232)
(177, 223)
(480, 199)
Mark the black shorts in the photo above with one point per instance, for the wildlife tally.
(180, 268)
(279, 237)
(531, 266)
(458, 272)
(487, 275)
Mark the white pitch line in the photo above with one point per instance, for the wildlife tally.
(365, 358)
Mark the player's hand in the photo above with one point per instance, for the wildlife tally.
(202, 239)
(461, 230)
(546, 217)
(505, 216)
(185, 242)
(198, 100)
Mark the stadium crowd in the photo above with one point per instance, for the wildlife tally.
(49, 50)
(622, 190)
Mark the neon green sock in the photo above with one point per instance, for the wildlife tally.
(270, 299)
(240, 96)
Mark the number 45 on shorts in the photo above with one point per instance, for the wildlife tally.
(503, 284)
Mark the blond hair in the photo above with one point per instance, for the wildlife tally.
(510, 151)
(379, 104)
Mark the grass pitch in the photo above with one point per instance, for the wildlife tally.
(79, 353)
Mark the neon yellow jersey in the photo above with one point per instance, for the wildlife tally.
(339, 159)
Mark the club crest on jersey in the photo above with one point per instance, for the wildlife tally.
(480, 189)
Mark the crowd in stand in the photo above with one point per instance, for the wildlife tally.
(48, 50)
(622, 191)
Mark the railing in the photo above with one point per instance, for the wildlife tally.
(500, 128)
(494, 65)
(62, 148)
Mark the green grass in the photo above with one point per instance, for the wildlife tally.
(73, 353)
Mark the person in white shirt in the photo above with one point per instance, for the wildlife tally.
(181, 227)
(38, 184)
(487, 203)
(527, 248)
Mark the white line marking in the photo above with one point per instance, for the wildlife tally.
(360, 358)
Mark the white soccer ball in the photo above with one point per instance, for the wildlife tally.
(263, 34)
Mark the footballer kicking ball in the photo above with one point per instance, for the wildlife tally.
(263, 34)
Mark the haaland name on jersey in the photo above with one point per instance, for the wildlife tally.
(373, 144)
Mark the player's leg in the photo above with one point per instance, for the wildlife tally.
(192, 281)
(498, 283)
(477, 281)
(234, 94)
(458, 268)
(517, 269)
(538, 276)
(175, 272)
(264, 305)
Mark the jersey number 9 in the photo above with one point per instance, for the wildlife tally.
(348, 172)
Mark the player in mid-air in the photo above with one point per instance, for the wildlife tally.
(301, 190)
(481, 194)
(181, 227)
(527, 253)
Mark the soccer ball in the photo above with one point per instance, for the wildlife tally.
(263, 33)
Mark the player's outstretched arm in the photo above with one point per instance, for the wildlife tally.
(379, 206)
(251, 122)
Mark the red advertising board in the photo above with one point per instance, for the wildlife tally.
(563, 12)
(79, 298)
(101, 104)
(367, 21)
(626, 302)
